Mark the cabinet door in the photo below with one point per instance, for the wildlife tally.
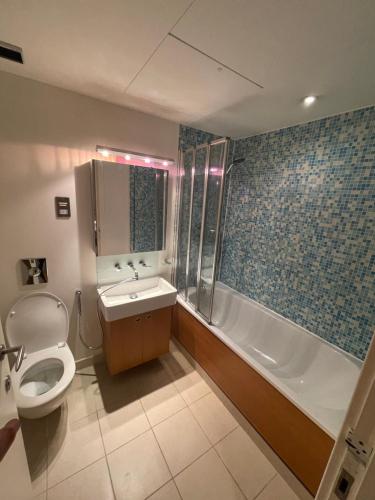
(123, 343)
(156, 327)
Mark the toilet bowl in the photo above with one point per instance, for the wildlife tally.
(40, 322)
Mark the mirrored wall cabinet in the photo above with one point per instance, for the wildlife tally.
(129, 203)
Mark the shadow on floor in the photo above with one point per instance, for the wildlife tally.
(112, 392)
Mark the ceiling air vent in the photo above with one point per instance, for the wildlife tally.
(11, 52)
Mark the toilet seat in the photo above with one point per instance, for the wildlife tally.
(40, 322)
(62, 354)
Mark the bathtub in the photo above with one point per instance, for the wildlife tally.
(318, 378)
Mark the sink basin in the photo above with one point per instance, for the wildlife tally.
(136, 297)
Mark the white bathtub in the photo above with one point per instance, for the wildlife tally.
(317, 377)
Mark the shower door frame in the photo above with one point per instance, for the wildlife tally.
(217, 244)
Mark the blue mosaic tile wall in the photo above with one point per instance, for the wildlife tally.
(300, 229)
(191, 137)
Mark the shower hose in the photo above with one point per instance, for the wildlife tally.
(79, 313)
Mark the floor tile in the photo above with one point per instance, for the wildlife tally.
(181, 440)
(213, 417)
(167, 492)
(152, 376)
(191, 387)
(175, 362)
(42, 496)
(71, 445)
(247, 464)
(276, 490)
(162, 403)
(92, 482)
(116, 391)
(138, 468)
(122, 425)
(207, 479)
(81, 401)
(83, 378)
(34, 432)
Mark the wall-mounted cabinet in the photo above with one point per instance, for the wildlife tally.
(129, 342)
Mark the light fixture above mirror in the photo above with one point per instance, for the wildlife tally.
(132, 158)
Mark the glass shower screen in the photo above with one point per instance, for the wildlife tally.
(201, 193)
(210, 228)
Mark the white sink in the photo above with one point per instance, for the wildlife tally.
(135, 297)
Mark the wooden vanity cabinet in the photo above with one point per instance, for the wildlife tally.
(131, 341)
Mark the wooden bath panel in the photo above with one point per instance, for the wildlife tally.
(297, 440)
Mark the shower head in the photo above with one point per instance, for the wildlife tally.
(234, 162)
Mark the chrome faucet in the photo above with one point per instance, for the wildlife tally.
(118, 266)
(131, 265)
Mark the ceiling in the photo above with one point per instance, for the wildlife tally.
(233, 67)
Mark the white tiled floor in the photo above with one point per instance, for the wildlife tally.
(159, 431)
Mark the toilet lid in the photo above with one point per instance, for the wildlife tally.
(38, 320)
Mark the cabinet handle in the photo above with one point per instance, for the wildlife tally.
(148, 316)
(137, 320)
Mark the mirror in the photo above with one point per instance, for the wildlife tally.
(130, 205)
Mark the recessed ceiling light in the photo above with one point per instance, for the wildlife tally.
(127, 157)
(309, 100)
(147, 160)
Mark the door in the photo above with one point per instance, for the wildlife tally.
(14, 472)
(350, 473)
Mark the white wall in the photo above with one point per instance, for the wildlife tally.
(47, 135)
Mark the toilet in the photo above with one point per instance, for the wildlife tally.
(40, 322)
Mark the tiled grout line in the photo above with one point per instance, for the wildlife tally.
(74, 474)
(80, 470)
(265, 486)
(234, 479)
(162, 454)
(47, 487)
(188, 404)
(213, 447)
(233, 410)
(200, 397)
(106, 457)
(162, 486)
(220, 440)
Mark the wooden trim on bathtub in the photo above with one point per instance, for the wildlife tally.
(297, 440)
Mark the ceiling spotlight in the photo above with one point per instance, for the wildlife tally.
(165, 163)
(104, 152)
(127, 157)
(309, 100)
(147, 160)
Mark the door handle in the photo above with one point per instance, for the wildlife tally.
(20, 349)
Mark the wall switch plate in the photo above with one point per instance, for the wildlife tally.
(34, 270)
(62, 207)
